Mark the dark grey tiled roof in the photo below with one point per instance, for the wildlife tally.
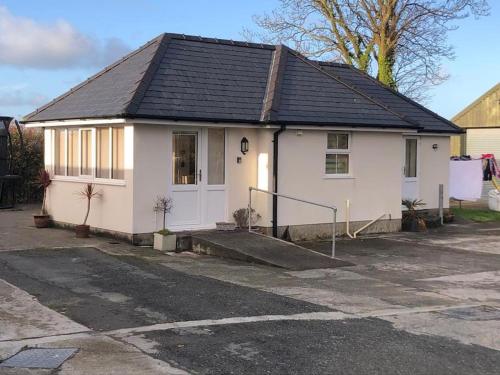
(395, 101)
(191, 78)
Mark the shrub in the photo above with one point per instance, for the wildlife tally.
(241, 217)
(27, 163)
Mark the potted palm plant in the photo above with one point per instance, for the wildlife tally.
(413, 220)
(88, 192)
(42, 220)
(164, 239)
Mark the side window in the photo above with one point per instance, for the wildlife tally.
(338, 151)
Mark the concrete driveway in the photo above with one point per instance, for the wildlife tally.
(411, 304)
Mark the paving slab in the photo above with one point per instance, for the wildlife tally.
(22, 316)
(257, 248)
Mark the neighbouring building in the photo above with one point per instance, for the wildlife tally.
(201, 120)
(481, 121)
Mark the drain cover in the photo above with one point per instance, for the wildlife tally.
(473, 313)
(39, 358)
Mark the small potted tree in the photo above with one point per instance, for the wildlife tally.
(88, 192)
(413, 221)
(164, 240)
(42, 220)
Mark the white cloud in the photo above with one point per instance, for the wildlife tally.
(29, 44)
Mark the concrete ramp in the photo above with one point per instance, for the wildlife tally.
(257, 248)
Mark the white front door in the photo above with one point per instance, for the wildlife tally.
(410, 168)
(198, 187)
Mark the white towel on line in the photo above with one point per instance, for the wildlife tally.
(466, 179)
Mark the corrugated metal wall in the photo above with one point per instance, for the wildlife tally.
(483, 141)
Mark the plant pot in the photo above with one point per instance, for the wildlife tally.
(82, 231)
(223, 226)
(413, 224)
(165, 243)
(41, 221)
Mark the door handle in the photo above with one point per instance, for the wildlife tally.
(199, 175)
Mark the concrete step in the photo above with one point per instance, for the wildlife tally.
(257, 248)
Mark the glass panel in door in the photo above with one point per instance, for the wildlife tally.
(215, 157)
(411, 158)
(185, 158)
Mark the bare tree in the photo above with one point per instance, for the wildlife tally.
(401, 42)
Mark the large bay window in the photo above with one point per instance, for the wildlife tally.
(89, 152)
(338, 151)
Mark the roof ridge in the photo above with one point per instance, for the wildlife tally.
(477, 100)
(272, 95)
(230, 42)
(317, 66)
(92, 78)
(404, 97)
(143, 84)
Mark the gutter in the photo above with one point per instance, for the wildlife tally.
(276, 135)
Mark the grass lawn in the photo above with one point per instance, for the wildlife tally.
(475, 214)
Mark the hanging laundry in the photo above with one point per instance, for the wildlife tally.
(490, 166)
(466, 179)
(487, 170)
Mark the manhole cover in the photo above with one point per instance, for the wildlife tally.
(39, 358)
(473, 313)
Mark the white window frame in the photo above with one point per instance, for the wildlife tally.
(334, 151)
(93, 158)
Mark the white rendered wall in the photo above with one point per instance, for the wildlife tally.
(374, 188)
(152, 160)
(434, 170)
(239, 176)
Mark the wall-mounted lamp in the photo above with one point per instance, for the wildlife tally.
(244, 145)
(435, 146)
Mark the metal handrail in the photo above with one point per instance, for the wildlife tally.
(333, 208)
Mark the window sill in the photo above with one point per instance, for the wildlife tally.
(338, 177)
(86, 180)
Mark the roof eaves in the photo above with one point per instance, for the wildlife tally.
(352, 125)
(92, 78)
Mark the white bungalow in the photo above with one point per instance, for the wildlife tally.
(201, 120)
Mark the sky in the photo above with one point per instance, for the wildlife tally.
(49, 46)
